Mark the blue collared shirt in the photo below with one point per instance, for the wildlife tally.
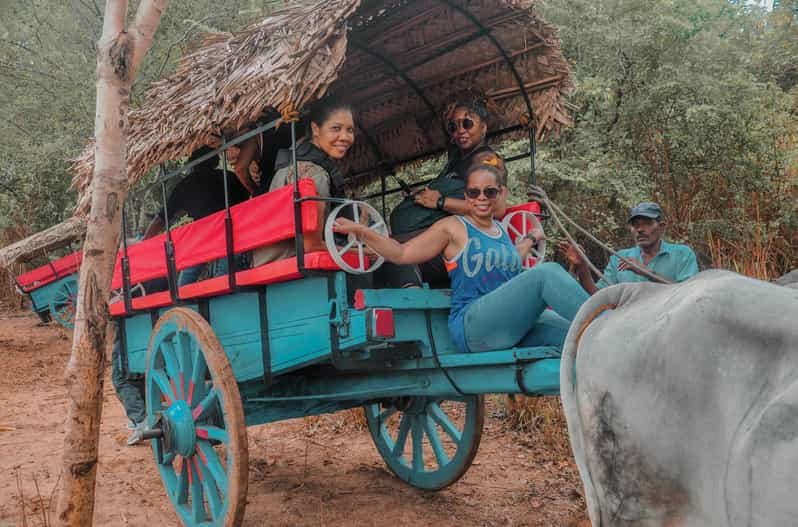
(674, 261)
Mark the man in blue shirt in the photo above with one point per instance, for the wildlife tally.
(673, 261)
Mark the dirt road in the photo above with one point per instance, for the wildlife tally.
(306, 472)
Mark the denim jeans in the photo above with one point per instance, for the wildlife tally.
(515, 313)
(129, 391)
(189, 275)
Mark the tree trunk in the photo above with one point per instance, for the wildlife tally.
(118, 57)
(55, 237)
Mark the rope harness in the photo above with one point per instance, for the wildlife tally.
(556, 212)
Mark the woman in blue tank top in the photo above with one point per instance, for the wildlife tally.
(494, 304)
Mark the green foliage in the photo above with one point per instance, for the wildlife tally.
(693, 103)
(47, 91)
(673, 105)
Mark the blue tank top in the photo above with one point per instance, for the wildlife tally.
(485, 263)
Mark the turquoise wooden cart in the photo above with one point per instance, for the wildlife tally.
(53, 288)
(309, 334)
(302, 337)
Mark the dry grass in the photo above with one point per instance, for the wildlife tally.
(542, 417)
(34, 511)
(353, 419)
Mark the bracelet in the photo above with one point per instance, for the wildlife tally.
(441, 203)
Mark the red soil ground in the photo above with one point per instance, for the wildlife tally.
(307, 472)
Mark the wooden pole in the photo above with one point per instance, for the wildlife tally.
(119, 54)
(55, 237)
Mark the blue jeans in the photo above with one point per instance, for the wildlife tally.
(129, 391)
(189, 275)
(515, 313)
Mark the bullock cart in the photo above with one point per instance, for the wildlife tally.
(309, 335)
(53, 288)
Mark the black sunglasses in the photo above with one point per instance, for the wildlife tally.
(453, 125)
(490, 192)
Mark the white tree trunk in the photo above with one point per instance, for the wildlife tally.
(119, 54)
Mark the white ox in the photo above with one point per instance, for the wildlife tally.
(682, 403)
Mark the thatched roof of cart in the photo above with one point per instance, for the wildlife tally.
(398, 62)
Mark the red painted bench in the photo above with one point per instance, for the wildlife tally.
(257, 222)
(51, 272)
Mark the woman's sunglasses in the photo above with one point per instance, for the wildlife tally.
(455, 124)
(490, 192)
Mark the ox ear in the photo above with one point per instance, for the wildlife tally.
(762, 477)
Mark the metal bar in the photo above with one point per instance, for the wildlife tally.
(429, 153)
(382, 192)
(517, 157)
(265, 348)
(168, 246)
(474, 20)
(299, 237)
(188, 166)
(53, 269)
(228, 224)
(447, 49)
(125, 265)
(355, 394)
(533, 148)
(402, 75)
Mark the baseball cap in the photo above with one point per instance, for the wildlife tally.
(647, 209)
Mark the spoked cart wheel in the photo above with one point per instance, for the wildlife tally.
(520, 223)
(366, 215)
(428, 443)
(64, 303)
(193, 398)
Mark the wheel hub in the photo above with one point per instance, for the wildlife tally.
(180, 435)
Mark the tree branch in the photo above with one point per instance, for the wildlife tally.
(143, 30)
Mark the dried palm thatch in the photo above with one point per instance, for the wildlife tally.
(398, 62)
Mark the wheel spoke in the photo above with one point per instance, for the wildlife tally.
(168, 458)
(168, 353)
(211, 459)
(442, 419)
(376, 226)
(386, 414)
(208, 485)
(213, 432)
(511, 228)
(198, 372)
(401, 438)
(418, 444)
(197, 502)
(348, 246)
(360, 257)
(163, 384)
(181, 492)
(435, 441)
(209, 400)
(182, 353)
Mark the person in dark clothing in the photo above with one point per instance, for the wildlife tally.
(199, 194)
(466, 123)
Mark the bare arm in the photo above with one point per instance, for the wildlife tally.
(313, 241)
(582, 270)
(245, 157)
(156, 226)
(422, 248)
(429, 198)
